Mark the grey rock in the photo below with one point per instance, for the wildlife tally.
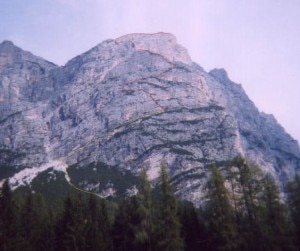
(262, 138)
(131, 103)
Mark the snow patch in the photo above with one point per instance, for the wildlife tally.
(153, 172)
(91, 187)
(132, 191)
(25, 176)
(110, 191)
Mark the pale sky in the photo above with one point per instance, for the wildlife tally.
(256, 41)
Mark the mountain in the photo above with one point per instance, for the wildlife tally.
(125, 105)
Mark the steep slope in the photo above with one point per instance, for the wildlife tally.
(22, 75)
(262, 138)
(134, 108)
(24, 81)
(131, 103)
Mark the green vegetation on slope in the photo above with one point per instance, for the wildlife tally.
(242, 210)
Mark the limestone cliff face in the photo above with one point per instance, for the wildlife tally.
(24, 80)
(261, 137)
(130, 103)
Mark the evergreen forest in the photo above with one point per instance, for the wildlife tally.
(242, 209)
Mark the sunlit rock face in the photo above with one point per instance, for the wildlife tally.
(131, 103)
(24, 81)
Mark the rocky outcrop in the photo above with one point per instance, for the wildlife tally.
(130, 103)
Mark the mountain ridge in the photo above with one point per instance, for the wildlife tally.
(132, 102)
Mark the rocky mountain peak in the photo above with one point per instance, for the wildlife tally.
(10, 53)
(130, 103)
(220, 74)
(6, 43)
(164, 44)
(137, 52)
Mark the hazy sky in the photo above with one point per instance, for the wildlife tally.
(256, 41)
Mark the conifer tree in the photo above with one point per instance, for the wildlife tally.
(8, 220)
(276, 230)
(47, 235)
(220, 213)
(193, 231)
(144, 229)
(261, 217)
(34, 222)
(70, 227)
(232, 176)
(250, 207)
(169, 227)
(97, 226)
(293, 190)
(133, 228)
(124, 227)
(250, 185)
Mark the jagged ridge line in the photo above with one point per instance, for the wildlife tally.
(88, 92)
(137, 50)
(123, 124)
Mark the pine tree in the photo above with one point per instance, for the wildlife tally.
(232, 176)
(293, 190)
(8, 220)
(250, 185)
(260, 215)
(47, 231)
(143, 231)
(70, 227)
(250, 207)
(34, 222)
(193, 231)
(97, 227)
(220, 213)
(133, 228)
(124, 226)
(276, 230)
(93, 239)
(169, 227)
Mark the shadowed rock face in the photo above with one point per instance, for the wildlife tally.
(132, 102)
(262, 138)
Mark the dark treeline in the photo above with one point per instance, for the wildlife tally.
(241, 210)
